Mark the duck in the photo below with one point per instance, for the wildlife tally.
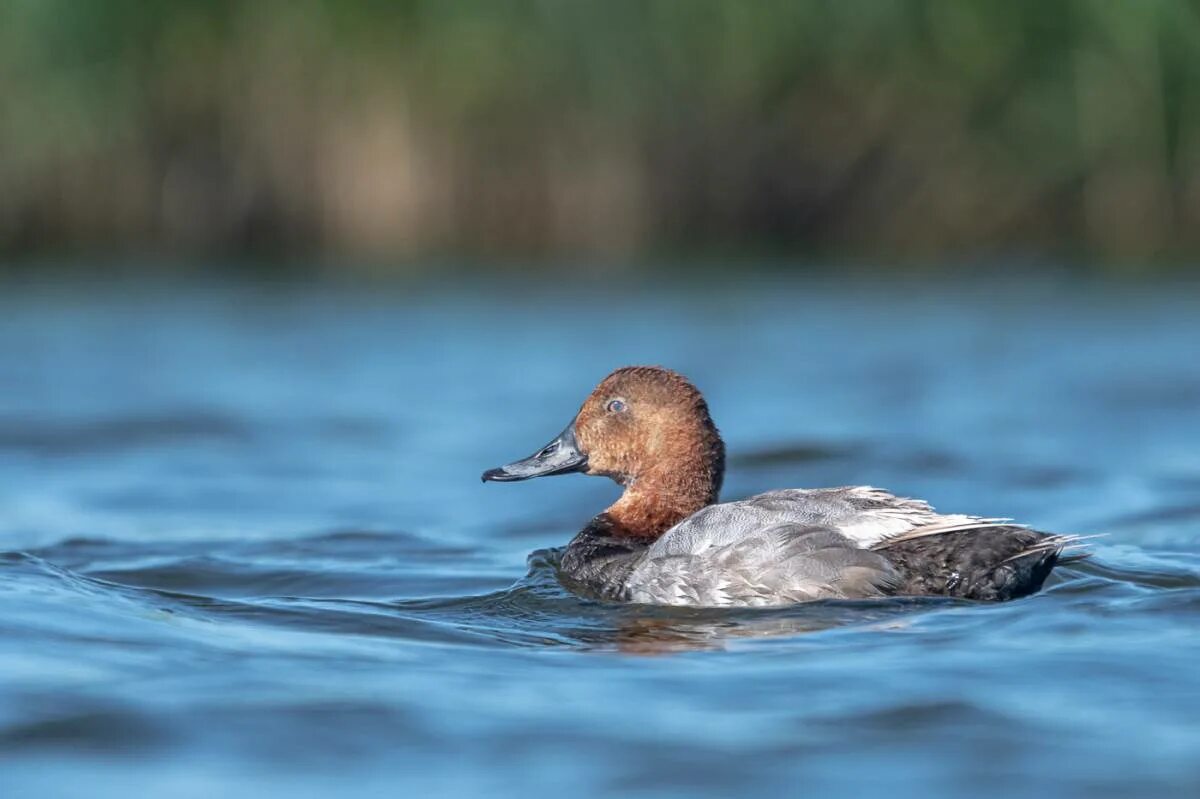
(668, 540)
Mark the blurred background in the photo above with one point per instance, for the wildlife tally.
(390, 136)
(280, 278)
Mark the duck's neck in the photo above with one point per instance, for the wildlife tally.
(655, 502)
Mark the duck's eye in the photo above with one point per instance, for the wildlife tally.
(615, 406)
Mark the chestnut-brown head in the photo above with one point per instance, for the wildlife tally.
(643, 426)
(646, 421)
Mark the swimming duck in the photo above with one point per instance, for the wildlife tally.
(667, 541)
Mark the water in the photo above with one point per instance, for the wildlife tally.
(246, 551)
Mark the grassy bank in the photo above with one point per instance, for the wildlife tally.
(396, 131)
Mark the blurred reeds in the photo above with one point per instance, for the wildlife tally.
(402, 130)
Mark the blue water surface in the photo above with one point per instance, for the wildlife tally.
(244, 549)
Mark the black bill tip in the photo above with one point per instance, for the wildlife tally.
(498, 475)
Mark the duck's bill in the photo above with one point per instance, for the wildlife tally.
(560, 456)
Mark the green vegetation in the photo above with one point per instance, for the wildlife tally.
(401, 130)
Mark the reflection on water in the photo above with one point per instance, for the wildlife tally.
(245, 550)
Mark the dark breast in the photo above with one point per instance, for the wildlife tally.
(598, 561)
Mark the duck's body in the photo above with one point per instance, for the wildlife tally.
(668, 542)
(798, 545)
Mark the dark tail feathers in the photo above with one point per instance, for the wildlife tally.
(992, 563)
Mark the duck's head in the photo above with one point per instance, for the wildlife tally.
(642, 426)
